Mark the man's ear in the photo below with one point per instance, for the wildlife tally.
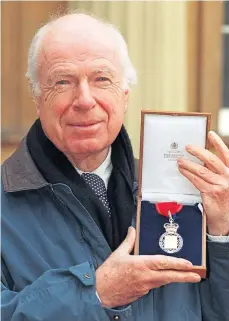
(37, 101)
(126, 98)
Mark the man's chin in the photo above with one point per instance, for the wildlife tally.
(86, 148)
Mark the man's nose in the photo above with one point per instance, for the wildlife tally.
(83, 98)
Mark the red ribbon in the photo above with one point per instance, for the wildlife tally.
(164, 208)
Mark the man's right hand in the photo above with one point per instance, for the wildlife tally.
(123, 278)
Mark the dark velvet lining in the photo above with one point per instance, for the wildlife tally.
(190, 228)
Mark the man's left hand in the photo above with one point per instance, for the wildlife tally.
(212, 180)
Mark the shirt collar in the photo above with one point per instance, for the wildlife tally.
(104, 170)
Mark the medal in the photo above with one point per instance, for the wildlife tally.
(170, 241)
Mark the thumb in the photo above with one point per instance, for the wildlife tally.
(128, 244)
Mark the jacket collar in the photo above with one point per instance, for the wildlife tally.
(20, 173)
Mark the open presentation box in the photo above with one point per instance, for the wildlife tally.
(164, 136)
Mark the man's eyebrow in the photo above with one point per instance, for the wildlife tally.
(106, 70)
(57, 73)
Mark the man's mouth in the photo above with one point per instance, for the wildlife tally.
(86, 125)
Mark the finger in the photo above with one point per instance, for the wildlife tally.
(198, 182)
(220, 147)
(208, 158)
(166, 277)
(163, 262)
(200, 171)
(128, 244)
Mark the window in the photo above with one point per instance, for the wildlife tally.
(223, 120)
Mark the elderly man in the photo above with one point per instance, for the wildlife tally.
(68, 197)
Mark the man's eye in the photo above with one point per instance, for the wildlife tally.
(62, 82)
(102, 79)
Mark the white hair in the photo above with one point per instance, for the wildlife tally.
(129, 72)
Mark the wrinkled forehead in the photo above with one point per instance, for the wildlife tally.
(79, 46)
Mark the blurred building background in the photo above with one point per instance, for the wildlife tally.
(179, 49)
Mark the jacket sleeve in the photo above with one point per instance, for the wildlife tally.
(214, 291)
(58, 295)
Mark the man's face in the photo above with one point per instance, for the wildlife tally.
(82, 101)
